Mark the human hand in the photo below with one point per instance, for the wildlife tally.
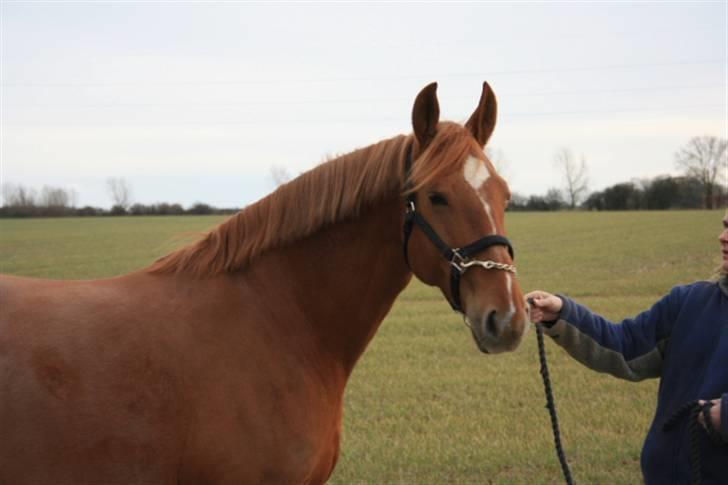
(544, 307)
(714, 414)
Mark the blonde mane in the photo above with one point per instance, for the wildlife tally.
(337, 190)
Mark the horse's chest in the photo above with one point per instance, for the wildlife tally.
(303, 437)
(275, 458)
(284, 432)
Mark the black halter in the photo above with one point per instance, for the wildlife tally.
(459, 258)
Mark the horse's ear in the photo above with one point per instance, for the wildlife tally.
(425, 115)
(482, 121)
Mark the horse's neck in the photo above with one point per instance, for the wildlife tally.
(344, 279)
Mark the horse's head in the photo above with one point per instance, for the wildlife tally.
(454, 228)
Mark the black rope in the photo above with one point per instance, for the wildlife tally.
(551, 405)
(693, 409)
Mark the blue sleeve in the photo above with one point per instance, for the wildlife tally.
(632, 349)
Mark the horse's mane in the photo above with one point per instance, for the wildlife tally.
(336, 190)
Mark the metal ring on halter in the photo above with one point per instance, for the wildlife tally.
(457, 261)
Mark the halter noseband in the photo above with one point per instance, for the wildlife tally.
(460, 259)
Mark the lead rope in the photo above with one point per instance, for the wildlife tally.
(693, 409)
(551, 405)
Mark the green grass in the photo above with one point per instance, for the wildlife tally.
(91, 247)
(423, 405)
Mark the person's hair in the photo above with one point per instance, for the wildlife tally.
(719, 273)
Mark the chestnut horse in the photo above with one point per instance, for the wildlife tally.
(225, 361)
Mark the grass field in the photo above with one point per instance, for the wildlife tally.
(423, 405)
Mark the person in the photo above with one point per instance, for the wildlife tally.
(683, 340)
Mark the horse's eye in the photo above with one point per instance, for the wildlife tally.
(437, 199)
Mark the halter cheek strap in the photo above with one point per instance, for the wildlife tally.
(460, 259)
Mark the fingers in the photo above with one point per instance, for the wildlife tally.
(714, 412)
(544, 301)
(537, 316)
(714, 401)
(537, 299)
(537, 295)
(543, 306)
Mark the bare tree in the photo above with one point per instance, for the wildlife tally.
(120, 191)
(17, 195)
(57, 197)
(279, 175)
(576, 181)
(704, 159)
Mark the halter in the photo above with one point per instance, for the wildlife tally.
(460, 259)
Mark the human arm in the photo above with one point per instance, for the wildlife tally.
(632, 350)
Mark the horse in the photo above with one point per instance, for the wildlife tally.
(225, 361)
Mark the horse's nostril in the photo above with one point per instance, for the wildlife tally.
(491, 326)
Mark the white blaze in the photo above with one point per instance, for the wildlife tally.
(511, 306)
(476, 173)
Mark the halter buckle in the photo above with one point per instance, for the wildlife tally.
(458, 262)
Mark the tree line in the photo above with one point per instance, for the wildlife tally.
(660, 193)
(702, 185)
(20, 201)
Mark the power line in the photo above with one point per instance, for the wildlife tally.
(614, 111)
(278, 121)
(480, 74)
(357, 100)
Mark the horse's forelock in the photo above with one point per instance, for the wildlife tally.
(445, 155)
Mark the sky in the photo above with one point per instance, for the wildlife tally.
(201, 101)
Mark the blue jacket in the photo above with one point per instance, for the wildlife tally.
(683, 340)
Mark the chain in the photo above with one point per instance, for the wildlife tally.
(489, 265)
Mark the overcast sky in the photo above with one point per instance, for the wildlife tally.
(197, 101)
